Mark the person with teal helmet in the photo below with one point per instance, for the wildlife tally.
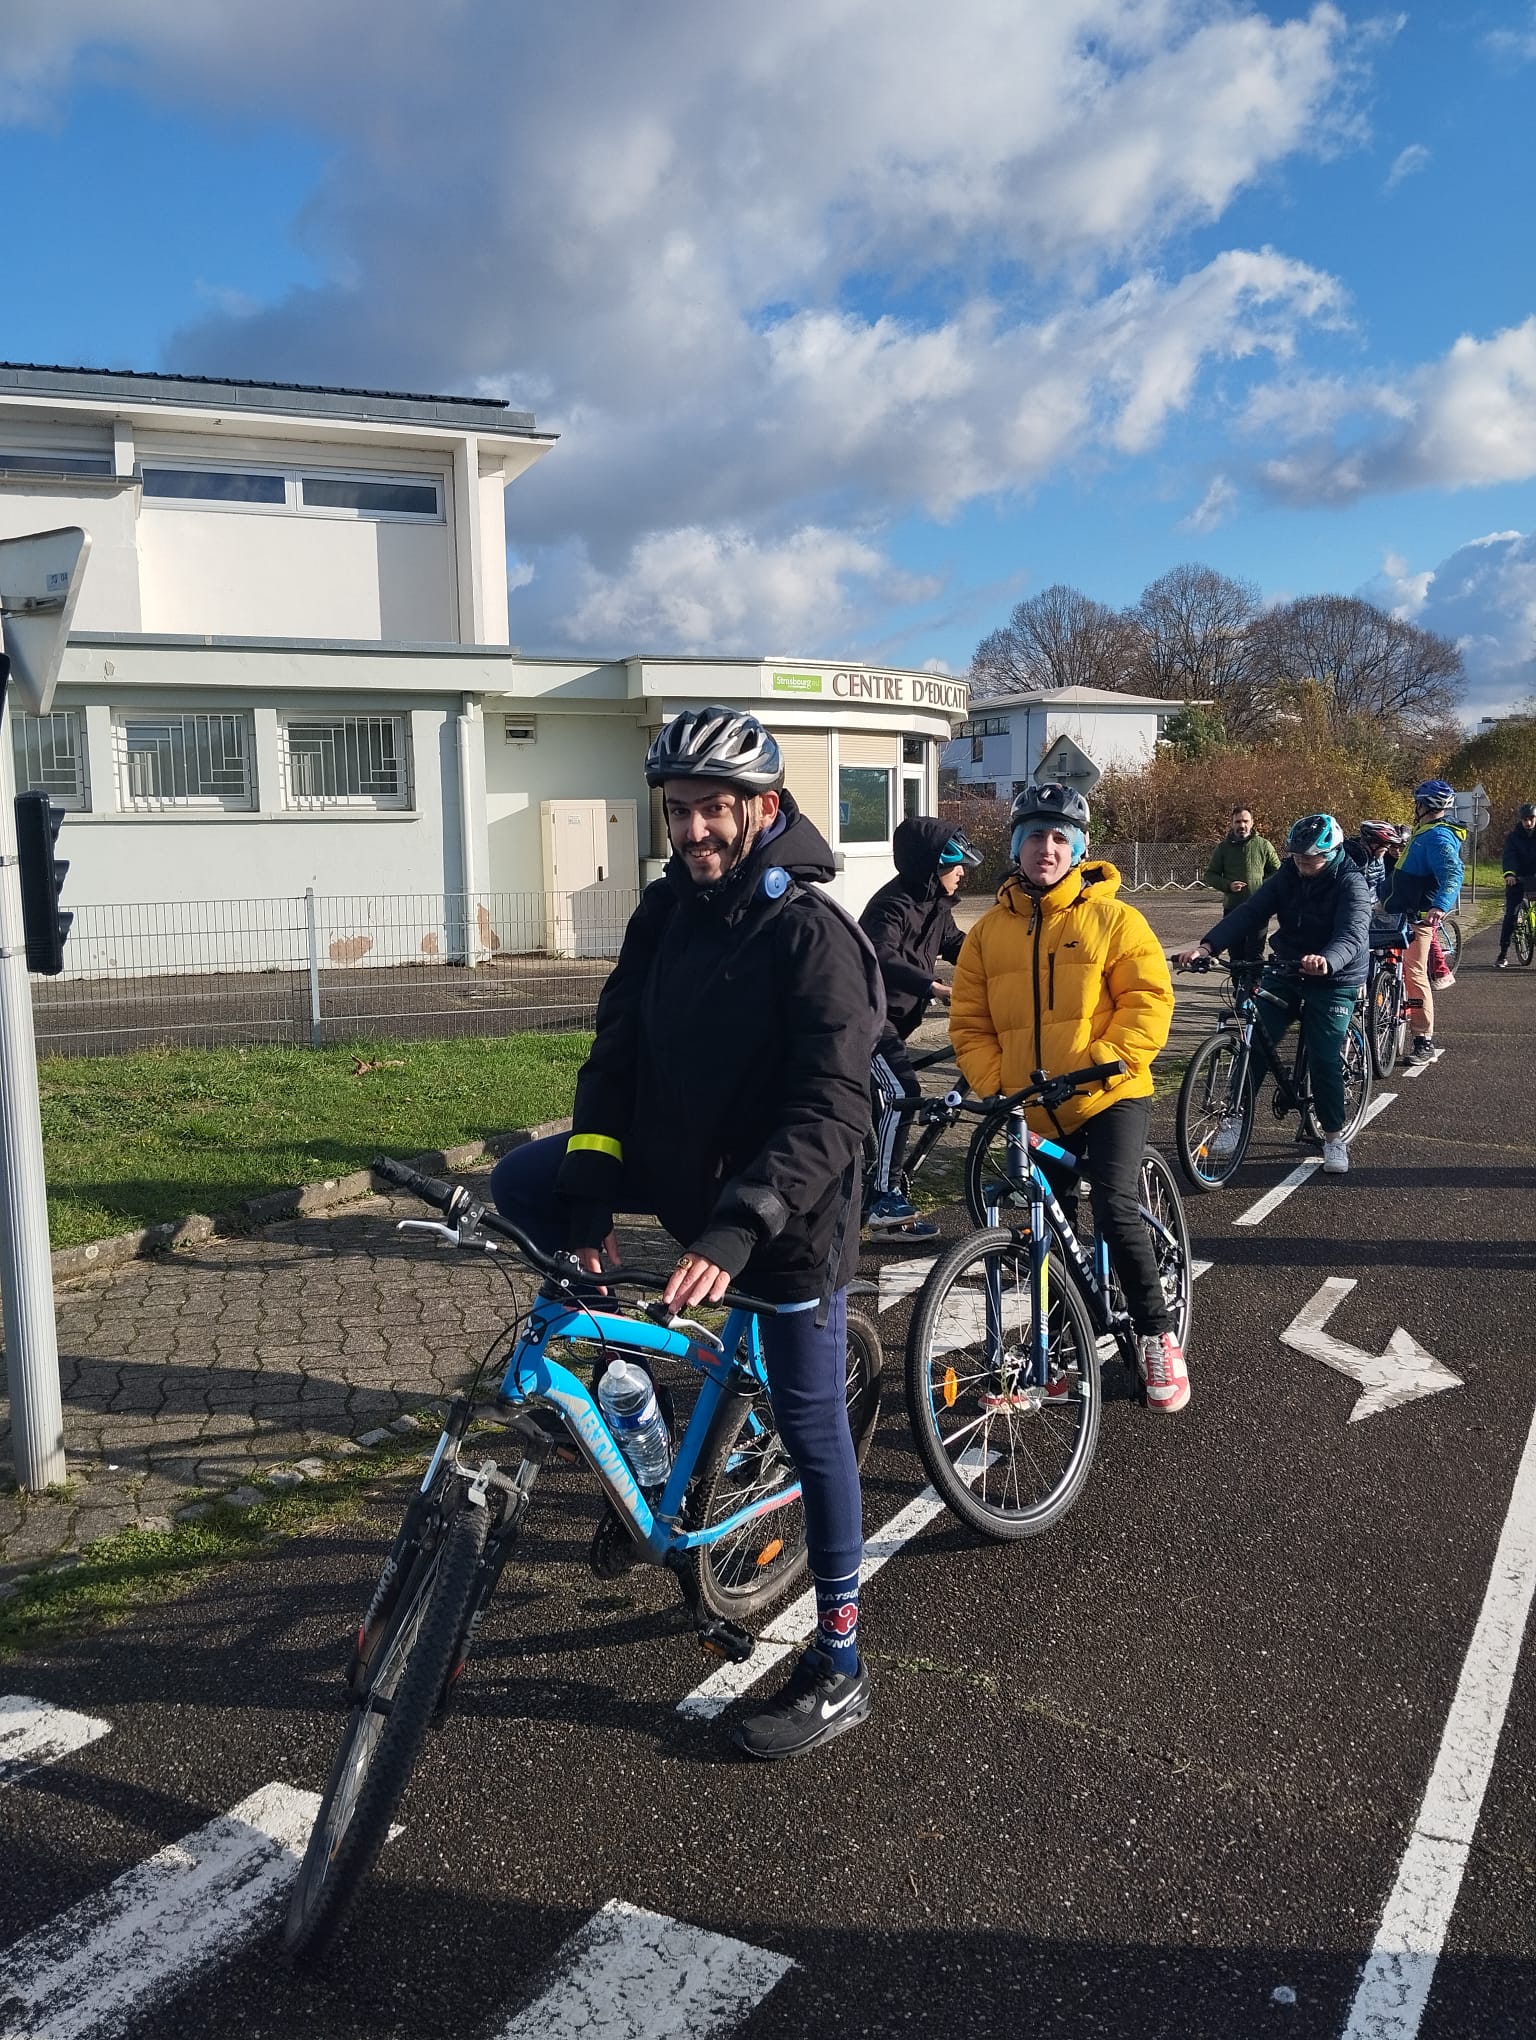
(1319, 953)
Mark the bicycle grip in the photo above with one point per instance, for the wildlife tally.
(430, 1189)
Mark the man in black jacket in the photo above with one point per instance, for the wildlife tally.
(911, 924)
(1519, 876)
(728, 1092)
(1320, 952)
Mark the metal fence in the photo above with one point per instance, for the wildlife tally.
(1158, 867)
(312, 969)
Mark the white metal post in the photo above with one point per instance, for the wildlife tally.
(316, 1029)
(26, 1271)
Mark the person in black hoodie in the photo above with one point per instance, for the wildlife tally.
(911, 924)
(1519, 876)
(727, 1091)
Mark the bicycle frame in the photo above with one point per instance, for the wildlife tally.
(532, 1377)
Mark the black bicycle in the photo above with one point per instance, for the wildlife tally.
(1218, 1099)
(1386, 997)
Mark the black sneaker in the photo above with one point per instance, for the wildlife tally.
(1424, 1050)
(815, 1704)
(1501, 961)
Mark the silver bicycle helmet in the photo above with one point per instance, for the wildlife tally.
(716, 743)
(1049, 801)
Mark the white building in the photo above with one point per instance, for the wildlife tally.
(290, 668)
(997, 749)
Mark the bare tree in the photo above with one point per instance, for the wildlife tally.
(1193, 644)
(1058, 638)
(1369, 664)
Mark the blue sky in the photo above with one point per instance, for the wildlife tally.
(853, 332)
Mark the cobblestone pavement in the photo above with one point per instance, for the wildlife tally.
(199, 1369)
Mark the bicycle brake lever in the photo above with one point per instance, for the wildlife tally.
(662, 1314)
(450, 1235)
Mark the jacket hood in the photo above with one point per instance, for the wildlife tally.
(1096, 873)
(798, 848)
(1457, 829)
(916, 848)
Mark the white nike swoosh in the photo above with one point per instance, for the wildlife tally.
(831, 1709)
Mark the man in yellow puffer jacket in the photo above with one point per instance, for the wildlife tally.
(1059, 974)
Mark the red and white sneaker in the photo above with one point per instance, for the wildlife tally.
(1164, 1372)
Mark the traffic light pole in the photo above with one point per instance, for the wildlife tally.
(26, 1268)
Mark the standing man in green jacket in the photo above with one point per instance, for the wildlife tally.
(1239, 865)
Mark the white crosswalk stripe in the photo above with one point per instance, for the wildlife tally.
(633, 1975)
(32, 1732)
(901, 1279)
(91, 1971)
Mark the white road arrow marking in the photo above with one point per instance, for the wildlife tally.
(33, 1733)
(1402, 1374)
(901, 1279)
(633, 1975)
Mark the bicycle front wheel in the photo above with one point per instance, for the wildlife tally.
(986, 1168)
(744, 1461)
(1007, 1455)
(385, 1735)
(1387, 1021)
(1213, 1121)
(1525, 934)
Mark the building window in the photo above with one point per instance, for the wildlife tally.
(978, 746)
(416, 499)
(214, 485)
(346, 761)
(370, 499)
(50, 756)
(54, 463)
(863, 804)
(516, 732)
(181, 761)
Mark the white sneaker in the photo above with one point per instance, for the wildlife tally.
(1335, 1156)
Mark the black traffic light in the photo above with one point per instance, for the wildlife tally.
(42, 880)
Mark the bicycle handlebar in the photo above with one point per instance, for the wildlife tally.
(1049, 1091)
(456, 1203)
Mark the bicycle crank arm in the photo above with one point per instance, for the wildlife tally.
(720, 1637)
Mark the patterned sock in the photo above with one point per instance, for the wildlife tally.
(837, 1621)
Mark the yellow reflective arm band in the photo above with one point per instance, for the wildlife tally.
(598, 1143)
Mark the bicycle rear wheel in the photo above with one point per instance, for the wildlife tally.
(1525, 934)
(1213, 1121)
(986, 1167)
(1357, 1076)
(1162, 1211)
(1008, 1457)
(744, 1460)
(1450, 940)
(385, 1734)
(1387, 1021)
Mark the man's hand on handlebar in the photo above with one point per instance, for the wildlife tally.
(1314, 966)
(694, 1281)
(940, 990)
(1191, 959)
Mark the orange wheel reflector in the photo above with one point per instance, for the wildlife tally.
(770, 1552)
(951, 1387)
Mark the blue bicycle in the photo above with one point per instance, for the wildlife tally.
(1006, 1342)
(728, 1521)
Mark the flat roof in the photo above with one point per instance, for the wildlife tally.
(214, 393)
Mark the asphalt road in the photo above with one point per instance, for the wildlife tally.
(1156, 1774)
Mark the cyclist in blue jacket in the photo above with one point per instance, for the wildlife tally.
(1426, 885)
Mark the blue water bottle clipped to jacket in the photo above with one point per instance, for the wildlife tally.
(628, 1401)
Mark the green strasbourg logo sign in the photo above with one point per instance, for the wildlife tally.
(797, 683)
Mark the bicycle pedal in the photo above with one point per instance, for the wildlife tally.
(726, 1639)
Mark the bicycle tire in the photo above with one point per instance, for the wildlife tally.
(986, 1161)
(383, 1610)
(1387, 1021)
(1011, 1433)
(1158, 1193)
(376, 1761)
(1450, 940)
(757, 1564)
(1211, 1128)
(1357, 1076)
(1525, 935)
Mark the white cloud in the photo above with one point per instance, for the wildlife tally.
(659, 229)
(1513, 45)
(1483, 597)
(1405, 164)
(939, 666)
(1214, 508)
(1465, 421)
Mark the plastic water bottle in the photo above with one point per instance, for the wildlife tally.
(628, 1402)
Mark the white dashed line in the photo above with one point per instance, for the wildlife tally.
(633, 1975)
(1273, 1199)
(32, 1733)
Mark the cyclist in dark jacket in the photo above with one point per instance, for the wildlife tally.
(911, 924)
(728, 1092)
(1319, 954)
(1519, 875)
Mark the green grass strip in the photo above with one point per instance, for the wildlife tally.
(131, 1140)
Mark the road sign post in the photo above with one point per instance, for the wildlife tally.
(39, 583)
(1474, 810)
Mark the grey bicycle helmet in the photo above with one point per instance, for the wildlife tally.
(1049, 802)
(716, 743)
(1528, 811)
